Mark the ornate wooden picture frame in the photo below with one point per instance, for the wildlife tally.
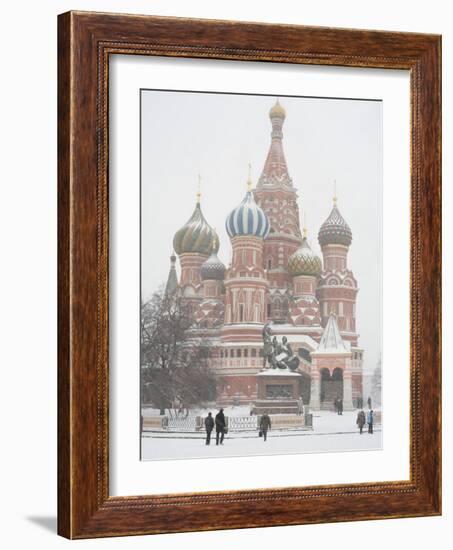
(86, 41)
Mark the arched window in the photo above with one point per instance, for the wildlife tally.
(269, 263)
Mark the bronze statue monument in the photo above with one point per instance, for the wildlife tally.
(277, 355)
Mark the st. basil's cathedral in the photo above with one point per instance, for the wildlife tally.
(274, 278)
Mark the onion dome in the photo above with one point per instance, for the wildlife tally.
(304, 261)
(247, 219)
(335, 230)
(196, 235)
(277, 111)
(213, 268)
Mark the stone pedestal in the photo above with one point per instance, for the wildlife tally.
(279, 392)
(315, 403)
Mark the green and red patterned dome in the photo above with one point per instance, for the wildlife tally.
(304, 261)
(196, 235)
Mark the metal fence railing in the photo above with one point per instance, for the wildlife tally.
(188, 424)
(242, 423)
(234, 423)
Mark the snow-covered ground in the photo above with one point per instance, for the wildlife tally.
(331, 432)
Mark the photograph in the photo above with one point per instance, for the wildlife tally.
(261, 275)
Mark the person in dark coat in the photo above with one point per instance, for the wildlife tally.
(361, 421)
(265, 424)
(220, 425)
(209, 425)
(369, 402)
(370, 420)
(340, 406)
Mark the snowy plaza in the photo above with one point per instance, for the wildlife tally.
(330, 433)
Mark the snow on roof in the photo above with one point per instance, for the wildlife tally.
(286, 328)
(277, 372)
(331, 340)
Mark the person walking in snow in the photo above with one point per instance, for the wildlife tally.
(340, 406)
(209, 425)
(361, 421)
(265, 424)
(369, 402)
(220, 425)
(370, 420)
(300, 406)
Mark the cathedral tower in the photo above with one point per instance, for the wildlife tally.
(210, 312)
(193, 244)
(305, 267)
(172, 281)
(337, 289)
(246, 291)
(245, 284)
(278, 198)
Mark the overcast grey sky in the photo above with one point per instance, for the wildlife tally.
(216, 135)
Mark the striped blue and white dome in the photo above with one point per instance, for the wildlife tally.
(247, 219)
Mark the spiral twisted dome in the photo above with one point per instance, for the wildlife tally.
(335, 230)
(247, 219)
(277, 111)
(213, 268)
(196, 235)
(304, 261)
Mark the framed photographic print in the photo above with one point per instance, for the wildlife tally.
(249, 275)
